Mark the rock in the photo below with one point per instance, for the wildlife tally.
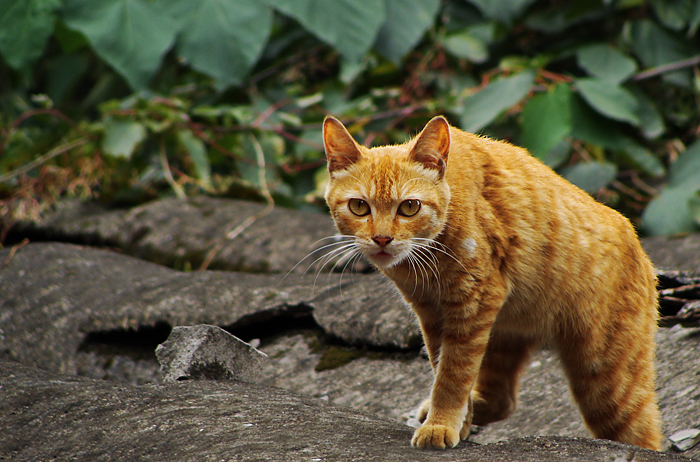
(685, 439)
(181, 233)
(88, 295)
(49, 416)
(209, 353)
(67, 308)
(674, 252)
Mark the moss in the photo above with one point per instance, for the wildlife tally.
(334, 357)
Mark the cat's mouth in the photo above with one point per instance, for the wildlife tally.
(383, 258)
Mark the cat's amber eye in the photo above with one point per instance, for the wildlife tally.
(359, 207)
(409, 207)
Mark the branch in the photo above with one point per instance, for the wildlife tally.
(678, 65)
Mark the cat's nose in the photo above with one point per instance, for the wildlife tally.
(382, 240)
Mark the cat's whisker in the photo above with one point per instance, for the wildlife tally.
(442, 248)
(340, 239)
(426, 257)
(340, 252)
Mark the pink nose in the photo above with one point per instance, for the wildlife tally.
(382, 240)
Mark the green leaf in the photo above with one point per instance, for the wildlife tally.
(121, 137)
(673, 14)
(642, 159)
(652, 121)
(466, 46)
(483, 107)
(546, 121)
(694, 20)
(655, 47)
(197, 151)
(609, 99)
(669, 212)
(590, 176)
(132, 36)
(349, 26)
(606, 62)
(406, 22)
(222, 38)
(25, 26)
(504, 11)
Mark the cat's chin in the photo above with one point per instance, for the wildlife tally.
(384, 259)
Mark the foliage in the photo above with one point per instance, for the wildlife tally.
(127, 100)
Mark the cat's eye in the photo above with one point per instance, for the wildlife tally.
(359, 207)
(409, 207)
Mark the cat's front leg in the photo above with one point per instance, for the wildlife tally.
(465, 334)
(461, 353)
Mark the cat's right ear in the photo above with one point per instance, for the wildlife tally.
(341, 148)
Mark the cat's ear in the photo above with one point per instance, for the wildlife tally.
(341, 149)
(432, 145)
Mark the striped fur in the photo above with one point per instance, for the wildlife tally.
(503, 256)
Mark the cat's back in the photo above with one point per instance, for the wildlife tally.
(556, 241)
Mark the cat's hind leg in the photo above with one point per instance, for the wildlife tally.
(611, 376)
(495, 393)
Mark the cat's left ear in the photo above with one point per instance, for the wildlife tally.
(341, 148)
(432, 145)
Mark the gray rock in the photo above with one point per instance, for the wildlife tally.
(685, 439)
(675, 252)
(54, 298)
(181, 233)
(59, 417)
(209, 353)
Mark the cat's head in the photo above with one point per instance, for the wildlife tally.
(392, 200)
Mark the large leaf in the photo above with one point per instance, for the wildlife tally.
(25, 26)
(655, 47)
(349, 26)
(590, 176)
(222, 38)
(609, 99)
(483, 107)
(669, 212)
(606, 62)
(406, 22)
(641, 158)
(504, 11)
(130, 35)
(673, 14)
(546, 121)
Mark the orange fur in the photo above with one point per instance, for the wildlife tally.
(501, 256)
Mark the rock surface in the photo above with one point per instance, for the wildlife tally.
(210, 353)
(346, 339)
(675, 252)
(181, 233)
(58, 417)
(73, 309)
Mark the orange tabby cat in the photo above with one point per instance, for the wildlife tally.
(497, 254)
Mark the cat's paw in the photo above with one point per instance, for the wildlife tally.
(435, 437)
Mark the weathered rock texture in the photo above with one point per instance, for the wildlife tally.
(343, 339)
(181, 233)
(210, 353)
(674, 253)
(59, 417)
(73, 309)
